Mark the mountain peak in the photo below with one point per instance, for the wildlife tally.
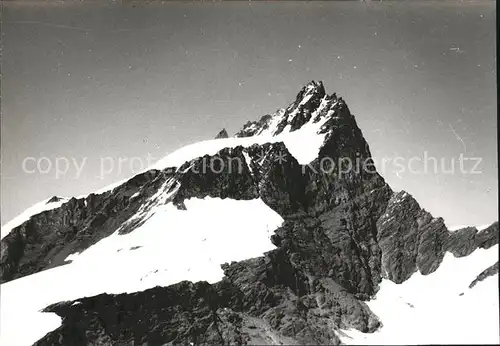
(310, 106)
(305, 245)
(312, 88)
(222, 134)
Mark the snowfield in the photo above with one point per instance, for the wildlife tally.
(171, 246)
(431, 310)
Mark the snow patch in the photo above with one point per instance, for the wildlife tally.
(248, 161)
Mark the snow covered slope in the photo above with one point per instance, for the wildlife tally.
(172, 246)
(439, 308)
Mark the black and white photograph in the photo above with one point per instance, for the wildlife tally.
(196, 173)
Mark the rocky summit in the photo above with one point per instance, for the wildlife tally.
(222, 134)
(268, 237)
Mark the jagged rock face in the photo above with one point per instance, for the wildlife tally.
(464, 241)
(227, 174)
(301, 111)
(344, 230)
(488, 237)
(183, 313)
(411, 239)
(492, 270)
(223, 175)
(252, 128)
(340, 243)
(281, 183)
(347, 196)
(400, 232)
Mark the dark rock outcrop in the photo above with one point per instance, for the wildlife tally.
(54, 199)
(464, 241)
(411, 239)
(490, 271)
(488, 237)
(252, 128)
(222, 134)
(223, 175)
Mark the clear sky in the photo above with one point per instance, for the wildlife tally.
(87, 81)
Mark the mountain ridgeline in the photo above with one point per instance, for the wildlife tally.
(343, 232)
